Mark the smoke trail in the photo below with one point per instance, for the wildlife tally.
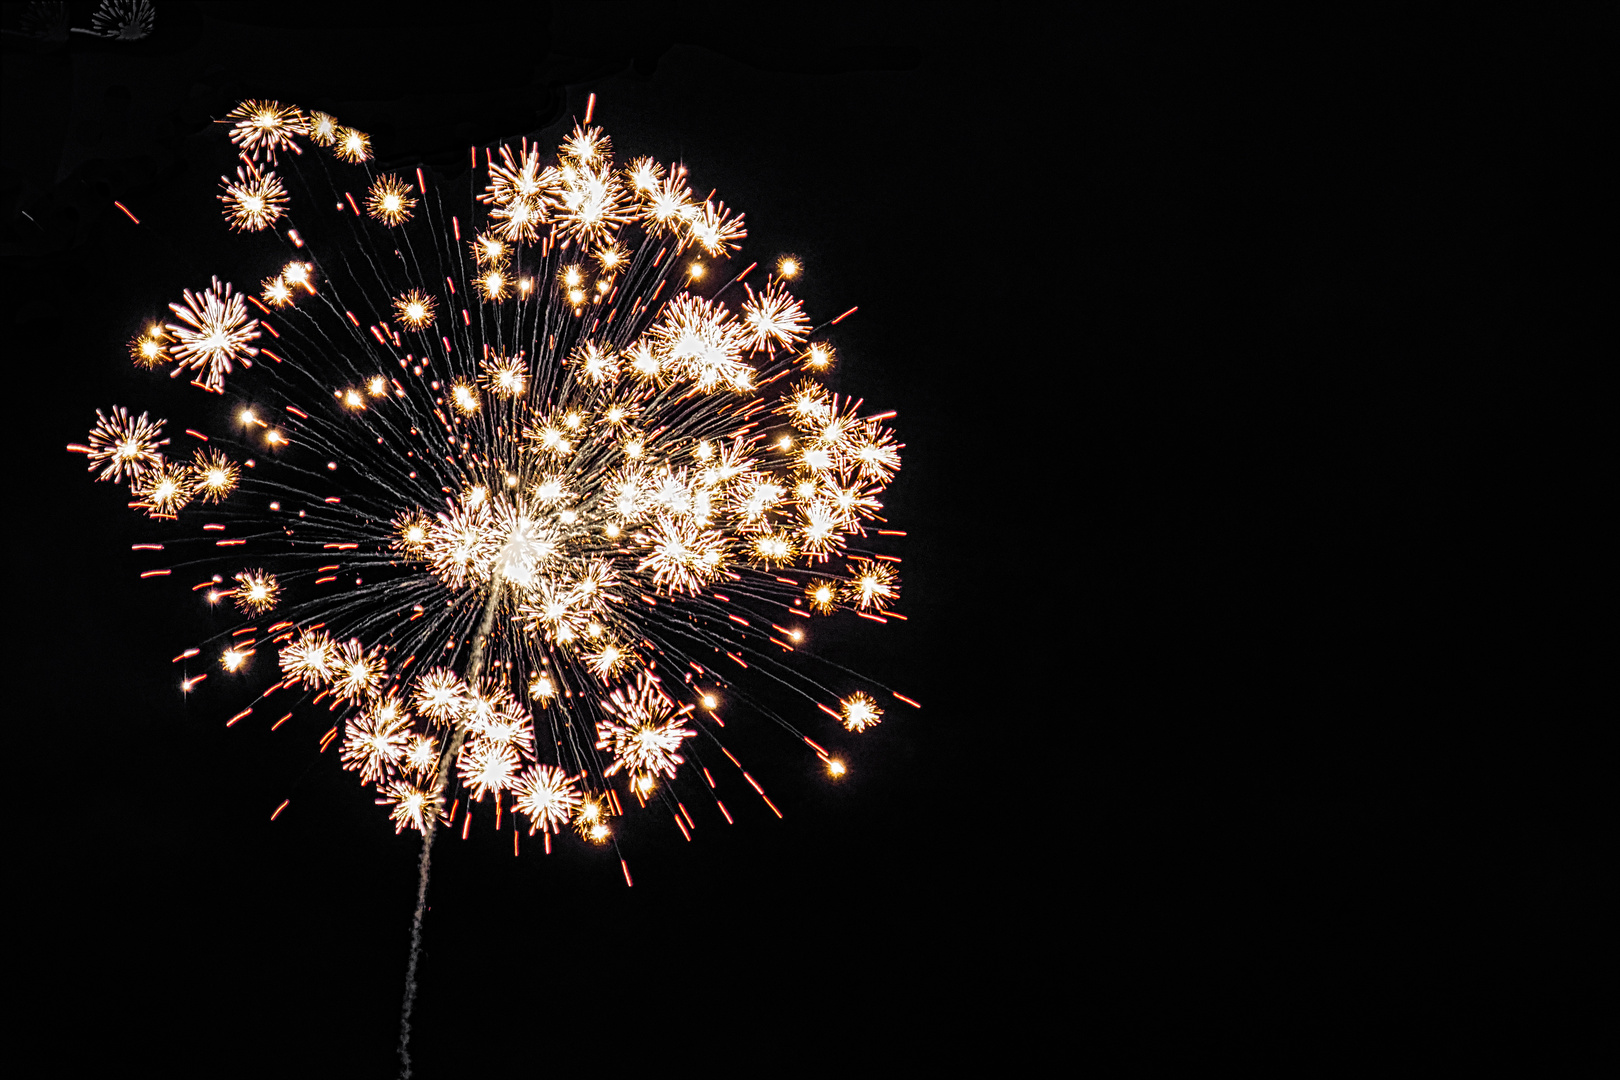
(416, 951)
(475, 667)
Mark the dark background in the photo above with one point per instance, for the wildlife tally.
(1208, 342)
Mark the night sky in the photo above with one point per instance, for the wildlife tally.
(1178, 329)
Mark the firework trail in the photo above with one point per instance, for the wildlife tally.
(475, 667)
(570, 458)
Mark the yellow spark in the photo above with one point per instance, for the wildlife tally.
(607, 661)
(519, 221)
(323, 129)
(213, 475)
(464, 398)
(697, 339)
(547, 797)
(541, 688)
(818, 356)
(163, 490)
(390, 200)
(358, 672)
(311, 658)
(276, 292)
(411, 805)
(376, 741)
(147, 350)
(255, 201)
(232, 659)
(549, 489)
(352, 146)
(585, 146)
(549, 436)
(440, 695)
(489, 249)
(774, 317)
(265, 127)
(835, 767)
(597, 364)
(256, 591)
(377, 387)
(788, 266)
(644, 174)
(860, 712)
(716, 230)
(487, 766)
(492, 284)
(593, 204)
(505, 376)
(822, 596)
(642, 359)
(611, 257)
(213, 331)
(415, 309)
(877, 457)
(773, 549)
(410, 533)
(644, 731)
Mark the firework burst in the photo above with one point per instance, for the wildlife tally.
(390, 200)
(262, 128)
(255, 201)
(415, 309)
(123, 448)
(570, 456)
(214, 330)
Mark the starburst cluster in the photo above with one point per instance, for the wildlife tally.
(567, 478)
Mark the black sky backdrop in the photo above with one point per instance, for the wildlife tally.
(1198, 336)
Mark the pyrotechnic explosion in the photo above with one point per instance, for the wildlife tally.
(507, 491)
